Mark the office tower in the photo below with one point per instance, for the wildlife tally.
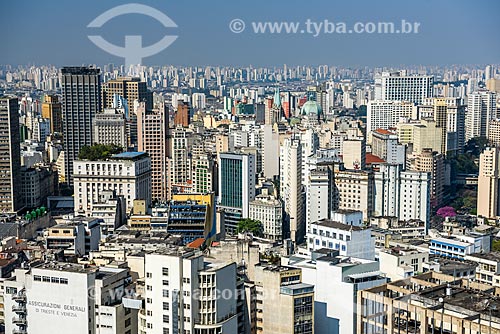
(180, 294)
(10, 156)
(386, 114)
(432, 162)
(128, 88)
(291, 190)
(402, 194)
(449, 114)
(438, 303)
(236, 187)
(385, 146)
(204, 173)
(110, 127)
(127, 174)
(152, 137)
(284, 303)
(52, 110)
(488, 200)
(269, 211)
(183, 114)
(62, 297)
(81, 100)
(354, 190)
(481, 108)
(179, 163)
(354, 154)
(192, 216)
(398, 86)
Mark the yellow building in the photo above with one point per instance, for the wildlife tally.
(52, 109)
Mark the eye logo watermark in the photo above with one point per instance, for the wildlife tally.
(133, 51)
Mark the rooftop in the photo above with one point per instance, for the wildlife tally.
(337, 225)
(129, 156)
(68, 267)
(492, 256)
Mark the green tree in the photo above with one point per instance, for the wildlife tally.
(99, 152)
(250, 225)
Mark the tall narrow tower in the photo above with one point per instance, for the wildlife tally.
(81, 100)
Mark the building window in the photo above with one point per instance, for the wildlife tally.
(164, 271)
(166, 318)
(166, 306)
(165, 293)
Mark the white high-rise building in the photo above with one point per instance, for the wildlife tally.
(61, 297)
(402, 194)
(398, 86)
(127, 174)
(181, 294)
(320, 195)
(291, 187)
(269, 211)
(481, 108)
(386, 114)
(110, 127)
(198, 100)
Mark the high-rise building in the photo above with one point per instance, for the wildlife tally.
(127, 174)
(402, 194)
(110, 127)
(152, 136)
(481, 108)
(180, 294)
(183, 114)
(128, 88)
(180, 173)
(386, 114)
(398, 86)
(320, 195)
(284, 304)
(204, 173)
(421, 135)
(354, 154)
(354, 190)
(432, 162)
(52, 110)
(269, 211)
(494, 132)
(236, 186)
(291, 190)
(385, 146)
(337, 280)
(54, 297)
(10, 156)
(488, 199)
(449, 114)
(81, 100)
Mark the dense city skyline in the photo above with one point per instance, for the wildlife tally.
(286, 167)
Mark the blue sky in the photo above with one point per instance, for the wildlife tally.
(451, 32)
